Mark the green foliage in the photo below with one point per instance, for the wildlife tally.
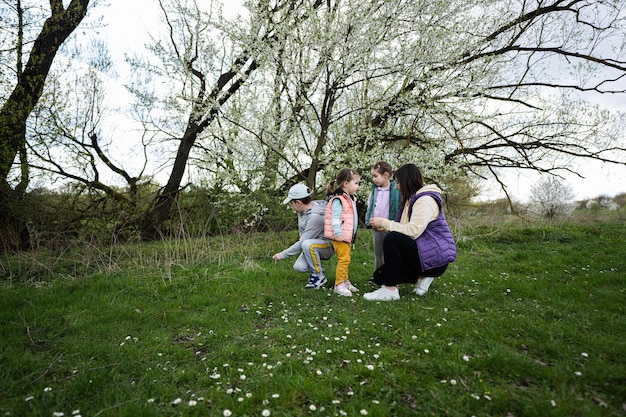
(528, 321)
(213, 211)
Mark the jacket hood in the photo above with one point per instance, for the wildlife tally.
(318, 207)
(429, 187)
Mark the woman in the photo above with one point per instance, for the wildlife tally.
(419, 245)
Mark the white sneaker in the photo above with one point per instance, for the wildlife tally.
(422, 285)
(342, 289)
(351, 287)
(383, 294)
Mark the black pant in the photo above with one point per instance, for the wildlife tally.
(402, 262)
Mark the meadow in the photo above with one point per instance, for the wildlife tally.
(529, 321)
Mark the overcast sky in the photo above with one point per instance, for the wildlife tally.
(128, 22)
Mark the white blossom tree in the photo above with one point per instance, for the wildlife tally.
(550, 198)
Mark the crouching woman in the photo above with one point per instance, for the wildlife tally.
(419, 245)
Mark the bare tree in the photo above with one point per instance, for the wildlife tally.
(68, 121)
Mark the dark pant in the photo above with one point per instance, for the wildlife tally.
(402, 262)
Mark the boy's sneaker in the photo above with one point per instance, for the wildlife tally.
(351, 287)
(383, 294)
(315, 282)
(342, 289)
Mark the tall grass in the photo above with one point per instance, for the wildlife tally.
(528, 321)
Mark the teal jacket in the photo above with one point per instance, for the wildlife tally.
(394, 201)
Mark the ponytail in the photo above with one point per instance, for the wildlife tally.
(330, 187)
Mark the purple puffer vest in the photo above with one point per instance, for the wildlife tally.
(436, 244)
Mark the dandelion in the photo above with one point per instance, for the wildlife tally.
(466, 358)
(318, 372)
(275, 395)
(242, 377)
(312, 407)
(47, 389)
(584, 355)
(578, 373)
(177, 401)
(150, 400)
(75, 412)
(453, 382)
(553, 403)
(58, 414)
(363, 412)
(27, 399)
(193, 403)
(370, 367)
(265, 413)
(227, 413)
(426, 351)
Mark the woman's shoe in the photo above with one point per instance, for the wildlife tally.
(422, 285)
(383, 294)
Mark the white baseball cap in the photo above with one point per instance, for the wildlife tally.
(297, 192)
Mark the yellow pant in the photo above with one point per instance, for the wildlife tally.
(342, 249)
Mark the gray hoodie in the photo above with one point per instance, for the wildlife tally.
(310, 226)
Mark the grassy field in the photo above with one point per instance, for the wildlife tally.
(529, 321)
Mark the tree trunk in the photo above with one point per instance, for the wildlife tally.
(27, 92)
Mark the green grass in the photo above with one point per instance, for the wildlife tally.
(529, 321)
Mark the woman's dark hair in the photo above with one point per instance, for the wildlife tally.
(409, 179)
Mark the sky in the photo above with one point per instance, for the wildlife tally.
(127, 23)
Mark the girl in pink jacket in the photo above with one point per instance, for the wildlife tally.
(341, 223)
